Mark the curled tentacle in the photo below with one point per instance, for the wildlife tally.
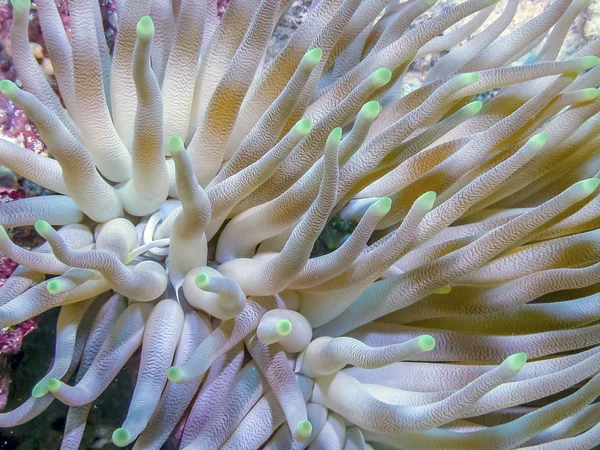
(325, 356)
(288, 328)
(205, 288)
(145, 282)
(123, 340)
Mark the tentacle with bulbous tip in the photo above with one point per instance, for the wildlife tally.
(414, 145)
(288, 329)
(346, 396)
(268, 277)
(325, 355)
(161, 334)
(145, 282)
(454, 206)
(39, 298)
(33, 407)
(149, 186)
(66, 332)
(205, 288)
(507, 435)
(118, 80)
(360, 129)
(247, 145)
(397, 55)
(209, 142)
(419, 282)
(123, 340)
(223, 339)
(264, 418)
(176, 397)
(323, 268)
(332, 433)
(188, 240)
(77, 416)
(308, 151)
(41, 260)
(232, 190)
(273, 363)
(276, 216)
(373, 152)
(324, 302)
(282, 439)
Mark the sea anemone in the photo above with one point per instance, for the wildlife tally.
(194, 176)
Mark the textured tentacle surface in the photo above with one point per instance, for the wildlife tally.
(348, 234)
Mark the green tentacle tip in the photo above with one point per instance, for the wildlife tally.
(371, 109)
(469, 78)
(283, 327)
(587, 62)
(383, 206)
(304, 429)
(303, 126)
(426, 342)
(42, 227)
(39, 390)
(175, 374)
(444, 289)
(54, 286)
(313, 56)
(517, 361)
(472, 108)
(7, 87)
(21, 4)
(335, 136)
(539, 140)
(3, 233)
(427, 199)
(145, 27)
(175, 145)
(53, 384)
(382, 76)
(121, 437)
(588, 186)
(201, 280)
(588, 94)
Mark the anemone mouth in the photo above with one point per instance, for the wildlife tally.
(305, 247)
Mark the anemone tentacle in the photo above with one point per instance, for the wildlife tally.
(310, 250)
